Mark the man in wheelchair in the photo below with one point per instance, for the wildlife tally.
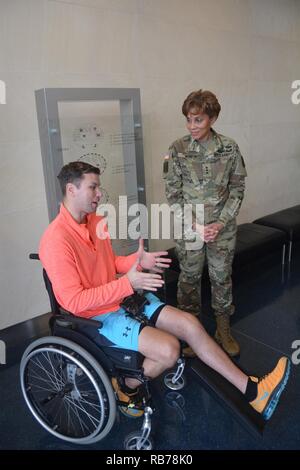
(83, 270)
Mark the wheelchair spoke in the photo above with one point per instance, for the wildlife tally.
(55, 372)
(52, 378)
(80, 421)
(70, 425)
(92, 405)
(67, 391)
(57, 410)
(85, 412)
(40, 379)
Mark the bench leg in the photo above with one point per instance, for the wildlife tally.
(290, 257)
(283, 263)
(290, 250)
(283, 254)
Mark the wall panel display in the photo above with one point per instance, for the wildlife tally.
(102, 127)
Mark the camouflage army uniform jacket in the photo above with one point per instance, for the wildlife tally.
(212, 176)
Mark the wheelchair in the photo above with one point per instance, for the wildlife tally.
(66, 380)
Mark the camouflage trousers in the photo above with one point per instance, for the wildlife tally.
(219, 256)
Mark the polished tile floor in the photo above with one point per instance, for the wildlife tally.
(266, 323)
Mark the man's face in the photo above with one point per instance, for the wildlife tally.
(87, 196)
(199, 124)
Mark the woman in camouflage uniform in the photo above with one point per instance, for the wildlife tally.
(206, 169)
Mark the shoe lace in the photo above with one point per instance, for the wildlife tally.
(225, 326)
(260, 379)
(264, 377)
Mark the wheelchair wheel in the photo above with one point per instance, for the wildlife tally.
(67, 390)
(135, 441)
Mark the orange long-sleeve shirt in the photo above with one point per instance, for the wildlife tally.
(83, 267)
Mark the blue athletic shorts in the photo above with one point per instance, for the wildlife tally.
(121, 330)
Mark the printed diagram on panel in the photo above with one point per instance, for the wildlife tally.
(88, 142)
(97, 136)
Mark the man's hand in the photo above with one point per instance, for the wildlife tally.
(211, 231)
(154, 261)
(145, 281)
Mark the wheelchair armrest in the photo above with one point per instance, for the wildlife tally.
(78, 320)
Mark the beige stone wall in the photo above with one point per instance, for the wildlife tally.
(246, 51)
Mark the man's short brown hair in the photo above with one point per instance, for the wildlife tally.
(73, 173)
(203, 101)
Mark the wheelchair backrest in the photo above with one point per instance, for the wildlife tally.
(55, 308)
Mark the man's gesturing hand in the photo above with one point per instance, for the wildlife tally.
(145, 281)
(154, 261)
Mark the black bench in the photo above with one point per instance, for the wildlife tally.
(287, 220)
(254, 242)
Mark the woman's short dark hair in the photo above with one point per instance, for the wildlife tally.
(203, 101)
(73, 173)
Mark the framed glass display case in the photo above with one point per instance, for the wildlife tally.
(101, 126)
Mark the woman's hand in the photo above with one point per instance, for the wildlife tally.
(211, 231)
